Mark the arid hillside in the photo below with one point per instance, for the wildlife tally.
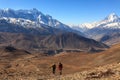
(51, 43)
(36, 66)
(107, 72)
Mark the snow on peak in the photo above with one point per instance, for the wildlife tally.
(88, 25)
(112, 17)
(112, 21)
(34, 9)
(7, 9)
(49, 17)
(30, 17)
(83, 27)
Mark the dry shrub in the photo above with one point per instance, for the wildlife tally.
(100, 74)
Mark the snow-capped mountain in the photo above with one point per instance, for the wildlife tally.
(106, 30)
(32, 30)
(112, 18)
(83, 27)
(112, 21)
(31, 18)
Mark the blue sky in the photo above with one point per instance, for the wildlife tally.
(68, 11)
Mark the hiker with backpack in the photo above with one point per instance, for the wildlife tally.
(60, 67)
(53, 68)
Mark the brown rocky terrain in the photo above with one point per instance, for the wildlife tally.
(72, 41)
(112, 39)
(107, 72)
(26, 66)
(50, 43)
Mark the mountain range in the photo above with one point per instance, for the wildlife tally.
(106, 30)
(34, 31)
(30, 18)
(26, 34)
(32, 21)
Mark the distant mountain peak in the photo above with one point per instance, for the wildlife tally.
(112, 17)
(112, 21)
(8, 9)
(34, 9)
(32, 18)
(113, 14)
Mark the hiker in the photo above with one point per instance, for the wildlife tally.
(60, 67)
(53, 68)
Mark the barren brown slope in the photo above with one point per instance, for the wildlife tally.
(62, 41)
(72, 41)
(38, 67)
(83, 61)
(110, 39)
(12, 53)
(74, 62)
(107, 72)
(21, 41)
